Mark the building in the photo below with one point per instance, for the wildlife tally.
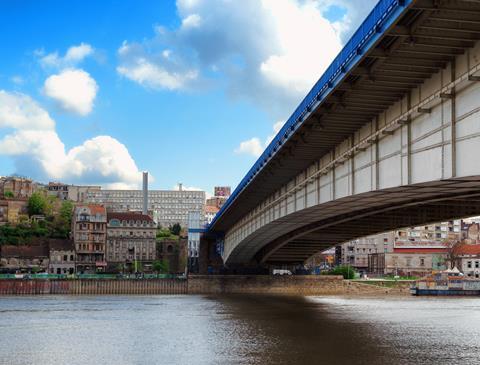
(224, 191)
(11, 210)
(174, 253)
(167, 206)
(193, 249)
(210, 212)
(17, 187)
(62, 256)
(70, 192)
(355, 253)
(439, 232)
(89, 228)
(31, 258)
(410, 259)
(130, 237)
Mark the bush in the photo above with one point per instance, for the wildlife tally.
(346, 271)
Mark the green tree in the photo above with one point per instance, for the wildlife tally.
(8, 195)
(161, 266)
(346, 271)
(37, 204)
(175, 229)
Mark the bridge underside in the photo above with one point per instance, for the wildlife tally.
(302, 234)
(389, 142)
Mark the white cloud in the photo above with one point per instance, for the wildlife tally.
(154, 76)
(73, 56)
(74, 90)
(17, 80)
(38, 151)
(254, 146)
(20, 111)
(270, 51)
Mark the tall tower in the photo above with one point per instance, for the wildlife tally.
(145, 193)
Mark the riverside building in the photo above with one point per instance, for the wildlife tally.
(130, 237)
(89, 228)
(166, 206)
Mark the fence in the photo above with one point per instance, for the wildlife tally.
(93, 286)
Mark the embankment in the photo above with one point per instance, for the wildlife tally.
(200, 284)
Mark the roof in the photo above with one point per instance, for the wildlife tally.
(61, 244)
(466, 249)
(26, 252)
(420, 250)
(129, 216)
(94, 208)
(211, 209)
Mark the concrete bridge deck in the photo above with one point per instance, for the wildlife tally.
(387, 138)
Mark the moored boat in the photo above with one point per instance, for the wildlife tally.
(449, 282)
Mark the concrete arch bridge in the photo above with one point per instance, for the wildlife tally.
(388, 137)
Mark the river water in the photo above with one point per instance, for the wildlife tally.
(238, 330)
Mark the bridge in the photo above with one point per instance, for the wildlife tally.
(388, 137)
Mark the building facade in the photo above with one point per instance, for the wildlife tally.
(130, 237)
(167, 206)
(210, 212)
(70, 192)
(62, 256)
(89, 228)
(355, 253)
(17, 187)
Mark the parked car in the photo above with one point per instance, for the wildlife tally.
(281, 272)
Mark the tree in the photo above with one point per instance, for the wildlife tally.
(453, 252)
(175, 229)
(161, 266)
(37, 204)
(8, 195)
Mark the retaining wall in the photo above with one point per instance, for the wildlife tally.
(200, 284)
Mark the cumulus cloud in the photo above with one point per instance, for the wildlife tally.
(254, 146)
(38, 151)
(74, 90)
(155, 76)
(73, 56)
(270, 52)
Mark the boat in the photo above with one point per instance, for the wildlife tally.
(450, 282)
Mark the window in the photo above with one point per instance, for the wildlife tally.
(65, 257)
(422, 262)
(469, 264)
(477, 264)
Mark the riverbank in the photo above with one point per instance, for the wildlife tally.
(304, 285)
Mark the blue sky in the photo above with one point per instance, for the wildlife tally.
(93, 92)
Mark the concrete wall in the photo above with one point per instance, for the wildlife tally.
(285, 285)
(93, 287)
(201, 285)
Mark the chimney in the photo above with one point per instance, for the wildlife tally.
(145, 193)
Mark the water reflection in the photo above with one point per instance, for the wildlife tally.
(238, 330)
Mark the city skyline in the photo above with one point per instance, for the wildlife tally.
(105, 98)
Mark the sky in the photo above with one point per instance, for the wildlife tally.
(192, 91)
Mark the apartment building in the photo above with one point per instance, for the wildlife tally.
(89, 228)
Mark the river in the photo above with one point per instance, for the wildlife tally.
(238, 330)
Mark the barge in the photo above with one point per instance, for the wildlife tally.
(446, 283)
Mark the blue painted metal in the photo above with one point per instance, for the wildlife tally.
(373, 28)
(197, 230)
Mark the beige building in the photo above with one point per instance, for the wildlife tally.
(12, 209)
(130, 237)
(89, 228)
(62, 256)
(19, 187)
(168, 206)
(355, 253)
(70, 192)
